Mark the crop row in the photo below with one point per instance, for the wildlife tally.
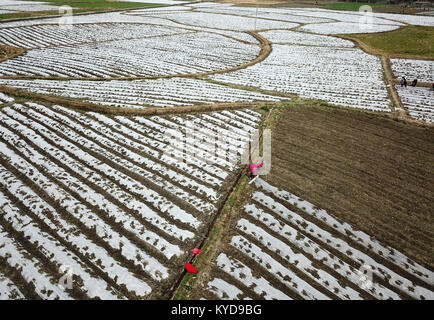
(341, 76)
(104, 200)
(139, 93)
(39, 36)
(180, 54)
(284, 247)
(419, 102)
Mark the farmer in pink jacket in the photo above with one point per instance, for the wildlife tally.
(253, 168)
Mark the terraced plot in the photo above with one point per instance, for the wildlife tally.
(171, 55)
(140, 93)
(341, 76)
(29, 37)
(281, 251)
(419, 102)
(107, 201)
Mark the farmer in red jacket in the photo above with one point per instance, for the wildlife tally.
(253, 168)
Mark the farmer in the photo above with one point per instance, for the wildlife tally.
(403, 82)
(253, 168)
(413, 84)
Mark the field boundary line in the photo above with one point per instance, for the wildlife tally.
(219, 214)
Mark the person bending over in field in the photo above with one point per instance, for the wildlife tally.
(414, 83)
(253, 169)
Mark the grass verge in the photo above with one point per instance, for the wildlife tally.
(406, 42)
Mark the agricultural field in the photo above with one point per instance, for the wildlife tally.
(306, 230)
(123, 135)
(107, 198)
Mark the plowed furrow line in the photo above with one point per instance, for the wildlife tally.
(164, 135)
(375, 226)
(30, 269)
(201, 152)
(99, 233)
(399, 282)
(140, 210)
(390, 133)
(322, 256)
(246, 291)
(321, 218)
(206, 137)
(114, 172)
(264, 274)
(350, 169)
(134, 144)
(352, 190)
(131, 229)
(47, 266)
(341, 142)
(15, 276)
(85, 278)
(8, 289)
(241, 134)
(351, 196)
(115, 156)
(233, 122)
(235, 142)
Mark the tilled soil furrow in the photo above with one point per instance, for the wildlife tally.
(246, 291)
(257, 269)
(359, 153)
(119, 154)
(284, 262)
(91, 234)
(27, 289)
(365, 255)
(152, 133)
(169, 166)
(110, 221)
(319, 264)
(91, 178)
(353, 172)
(113, 165)
(351, 262)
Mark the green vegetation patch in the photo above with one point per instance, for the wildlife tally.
(407, 41)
